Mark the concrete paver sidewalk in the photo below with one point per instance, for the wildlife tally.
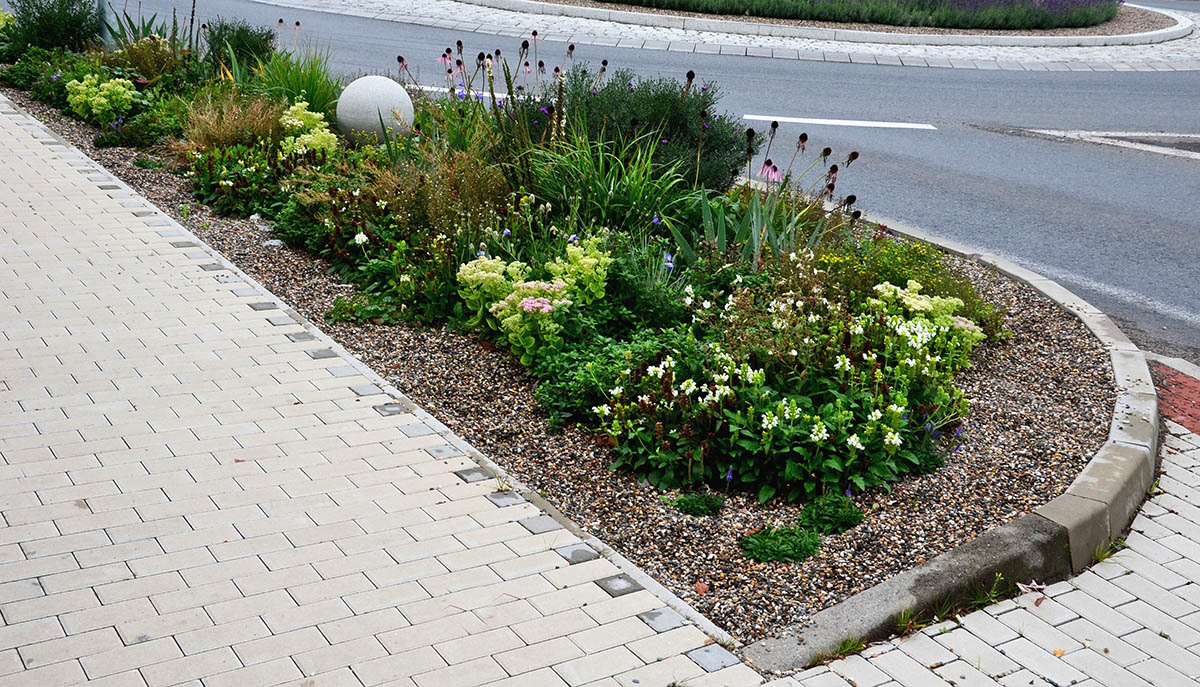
(197, 490)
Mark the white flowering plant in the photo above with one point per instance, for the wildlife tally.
(800, 394)
(236, 180)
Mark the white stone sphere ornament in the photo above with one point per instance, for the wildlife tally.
(369, 100)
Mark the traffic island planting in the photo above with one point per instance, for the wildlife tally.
(565, 264)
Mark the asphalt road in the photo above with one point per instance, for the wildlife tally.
(1120, 227)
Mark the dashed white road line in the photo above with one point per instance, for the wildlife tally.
(841, 122)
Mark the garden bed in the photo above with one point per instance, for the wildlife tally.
(1040, 407)
(1127, 20)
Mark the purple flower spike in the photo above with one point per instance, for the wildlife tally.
(507, 233)
(656, 220)
(729, 475)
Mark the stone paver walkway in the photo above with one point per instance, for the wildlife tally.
(197, 490)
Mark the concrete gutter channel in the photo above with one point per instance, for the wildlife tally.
(1182, 27)
(1056, 540)
(1053, 542)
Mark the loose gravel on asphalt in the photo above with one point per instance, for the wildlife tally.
(1040, 407)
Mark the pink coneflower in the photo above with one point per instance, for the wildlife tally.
(446, 57)
(766, 168)
(528, 68)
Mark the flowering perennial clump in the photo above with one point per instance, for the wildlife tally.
(100, 101)
(305, 131)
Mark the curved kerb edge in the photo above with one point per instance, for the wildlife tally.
(1058, 539)
(1182, 27)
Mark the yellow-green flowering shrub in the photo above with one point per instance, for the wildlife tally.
(5, 19)
(937, 309)
(100, 102)
(585, 271)
(485, 281)
(306, 130)
(526, 318)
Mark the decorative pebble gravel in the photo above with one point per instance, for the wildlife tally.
(1040, 407)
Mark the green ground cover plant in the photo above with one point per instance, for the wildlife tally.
(964, 14)
(717, 333)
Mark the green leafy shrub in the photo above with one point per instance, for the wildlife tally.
(235, 181)
(100, 101)
(32, 64)
(151, 58)
(249, 44)
(699, 503)
(11, 43)
(856, 266)
(682, 119)
(787, 544)
(70, 24)
(576, 379)
(830, 513)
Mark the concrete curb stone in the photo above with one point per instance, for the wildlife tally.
(1182, 28)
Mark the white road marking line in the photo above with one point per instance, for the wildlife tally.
(1107, 138)
(842, 122)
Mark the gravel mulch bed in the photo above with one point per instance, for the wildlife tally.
(1128, 20)
(1040, 407)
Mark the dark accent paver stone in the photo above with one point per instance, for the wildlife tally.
(540, 524)
(297, 337)
(712, 657)
(663, 619)
(212, 267)
(281, 320)
(505, 498)
(343, 371)
(322, 353)
(444, 451)
(417, 430)
(184, 244)
(619, 585)
(264, 306)
(577, 553)
(390, 409)
(473, 474)
(366, 390)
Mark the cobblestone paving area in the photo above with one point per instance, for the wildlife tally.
(196, 489)
(1175, 55)
(1130, 621)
